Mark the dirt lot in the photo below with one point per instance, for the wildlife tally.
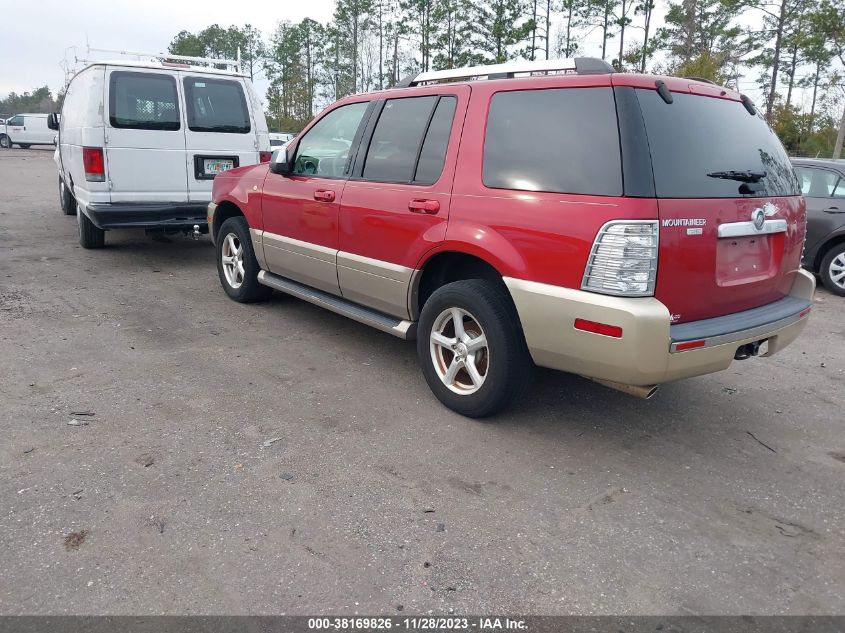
(278, 458)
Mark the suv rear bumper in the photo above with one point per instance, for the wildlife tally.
(131, 215)
(647, 352)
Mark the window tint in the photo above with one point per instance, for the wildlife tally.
(143, 101)
(433, 152)
(561, 140)
(324, 149)
(695, 135)
(216, 105)
(396, 140)
(816, 183)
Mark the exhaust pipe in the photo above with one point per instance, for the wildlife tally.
(645, 392)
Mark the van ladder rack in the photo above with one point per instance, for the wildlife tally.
(508, 70)
(234, 64)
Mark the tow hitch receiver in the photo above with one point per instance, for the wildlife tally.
(196, 233)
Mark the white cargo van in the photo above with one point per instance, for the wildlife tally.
(140, 143)
(26, 130)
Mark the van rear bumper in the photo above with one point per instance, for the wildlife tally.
(131, 215)
(650, 350)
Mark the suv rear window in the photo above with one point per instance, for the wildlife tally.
(561, 140)
(216, 105)
(694, 136)
(143, 101)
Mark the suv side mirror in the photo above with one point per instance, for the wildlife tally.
(279, 162)
(53, 121)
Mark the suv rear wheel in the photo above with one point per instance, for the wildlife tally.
(237, 266)
(90, 236)
(472, 349)
(832, 270)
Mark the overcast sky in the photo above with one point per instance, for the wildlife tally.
(31, 50)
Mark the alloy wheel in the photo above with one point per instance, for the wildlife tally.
(231, 254)
(459, 351)
(837, 270)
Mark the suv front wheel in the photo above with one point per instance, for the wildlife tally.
(832, 270)
(471, 347)
(237, 266)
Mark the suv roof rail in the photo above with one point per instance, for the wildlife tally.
(234, 64)
(579, 65)
(703, 80)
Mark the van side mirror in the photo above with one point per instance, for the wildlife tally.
(53, 121)
(279, 162)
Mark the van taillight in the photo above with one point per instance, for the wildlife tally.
(95, 166)
(264, 157)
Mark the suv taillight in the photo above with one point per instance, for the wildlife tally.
(95, 166)
(264, 157)
(623, 260)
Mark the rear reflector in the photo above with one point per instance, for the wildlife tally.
(264, 157)
(598, 328)
(95, 166)
(804, 312)
(680, 347)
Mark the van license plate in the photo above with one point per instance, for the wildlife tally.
(214, 166)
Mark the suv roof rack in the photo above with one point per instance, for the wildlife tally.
(579, 65)
(234, 65)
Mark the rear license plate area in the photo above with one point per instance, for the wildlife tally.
(207, 167)
(743, 260)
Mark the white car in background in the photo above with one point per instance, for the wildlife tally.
(278, 139)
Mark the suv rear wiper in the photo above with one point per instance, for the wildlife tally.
(741, 176)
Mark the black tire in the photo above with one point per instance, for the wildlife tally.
(90, 236)
(508, 364)
(66, 200)
(24, 145)
(5, 142)
(834, 258)
(249, 290)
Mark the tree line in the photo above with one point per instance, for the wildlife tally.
(792, 51)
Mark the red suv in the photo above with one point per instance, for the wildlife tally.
(629, 228)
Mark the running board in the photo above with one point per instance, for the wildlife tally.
(384, 322)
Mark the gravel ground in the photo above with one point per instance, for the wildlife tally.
(278, 458)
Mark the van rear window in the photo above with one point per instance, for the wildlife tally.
(143, 101)
(216, 105)
(695, 136)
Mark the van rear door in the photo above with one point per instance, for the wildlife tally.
(145, 139)
(220, 132)
(732, 220)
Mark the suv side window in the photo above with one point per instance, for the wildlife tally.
(839, 191)
(562, 140)
(324, 149)
(143, 101)
(396, 139)
(216, 105)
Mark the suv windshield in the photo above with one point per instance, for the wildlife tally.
(704, 147)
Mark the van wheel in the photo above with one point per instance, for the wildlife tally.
(5, 142)
(237, 266)
(832, 270)
(24, 145)
(90, 236)
(66, 199)
(471, 348)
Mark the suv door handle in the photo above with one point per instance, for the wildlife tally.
(833, 210)
(324, 195)
(420, 205)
